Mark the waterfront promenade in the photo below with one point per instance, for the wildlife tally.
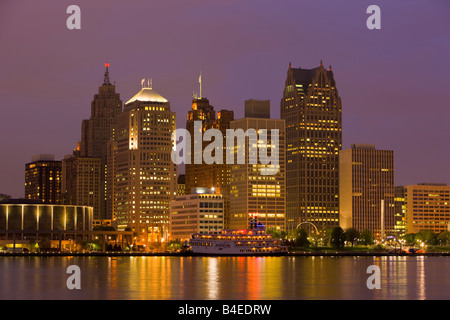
(175, 254)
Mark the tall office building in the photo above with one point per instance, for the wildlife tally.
(311, 107)
(427, 207)
(110, 168)
(81, 180)
(43, 179)
(366, 189)
(96, 133)
(145, 176)
(195, 175)
(214, 175)
(253, 194)
(400, 211)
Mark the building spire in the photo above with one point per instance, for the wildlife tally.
(200, 82)
(106, 80)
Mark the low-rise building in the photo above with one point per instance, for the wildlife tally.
(200, 212)
(427, 207)
(26, 222)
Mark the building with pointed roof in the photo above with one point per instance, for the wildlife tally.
(92, 150)
(312, 109)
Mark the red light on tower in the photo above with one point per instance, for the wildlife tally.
(106, 81)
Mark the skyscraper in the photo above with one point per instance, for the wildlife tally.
(400, 211)
(111, 157)
(43, 179)
(366, 190)
(195, 175)
(145, 176)
(96, 133)
(81, 180)
(253, 194)
(214, 175)
(312, 109)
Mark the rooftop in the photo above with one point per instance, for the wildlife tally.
(147, 95)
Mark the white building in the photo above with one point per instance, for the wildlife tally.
(201, 212)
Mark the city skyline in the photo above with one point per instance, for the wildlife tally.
(376, 72)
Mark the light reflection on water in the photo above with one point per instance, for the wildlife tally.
(215, 278)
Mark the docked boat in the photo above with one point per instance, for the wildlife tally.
(253, 242)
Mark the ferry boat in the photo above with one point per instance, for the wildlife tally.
(252, 242)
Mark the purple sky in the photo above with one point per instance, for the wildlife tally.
(394, 82)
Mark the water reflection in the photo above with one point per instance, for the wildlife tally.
(421, 284)
(212, 279)
(404, 278)
(237, 278)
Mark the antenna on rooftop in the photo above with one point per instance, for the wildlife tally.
(200, 82)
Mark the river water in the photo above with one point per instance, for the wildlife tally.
(223, 278)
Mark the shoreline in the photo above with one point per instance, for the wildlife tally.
(166, 254)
